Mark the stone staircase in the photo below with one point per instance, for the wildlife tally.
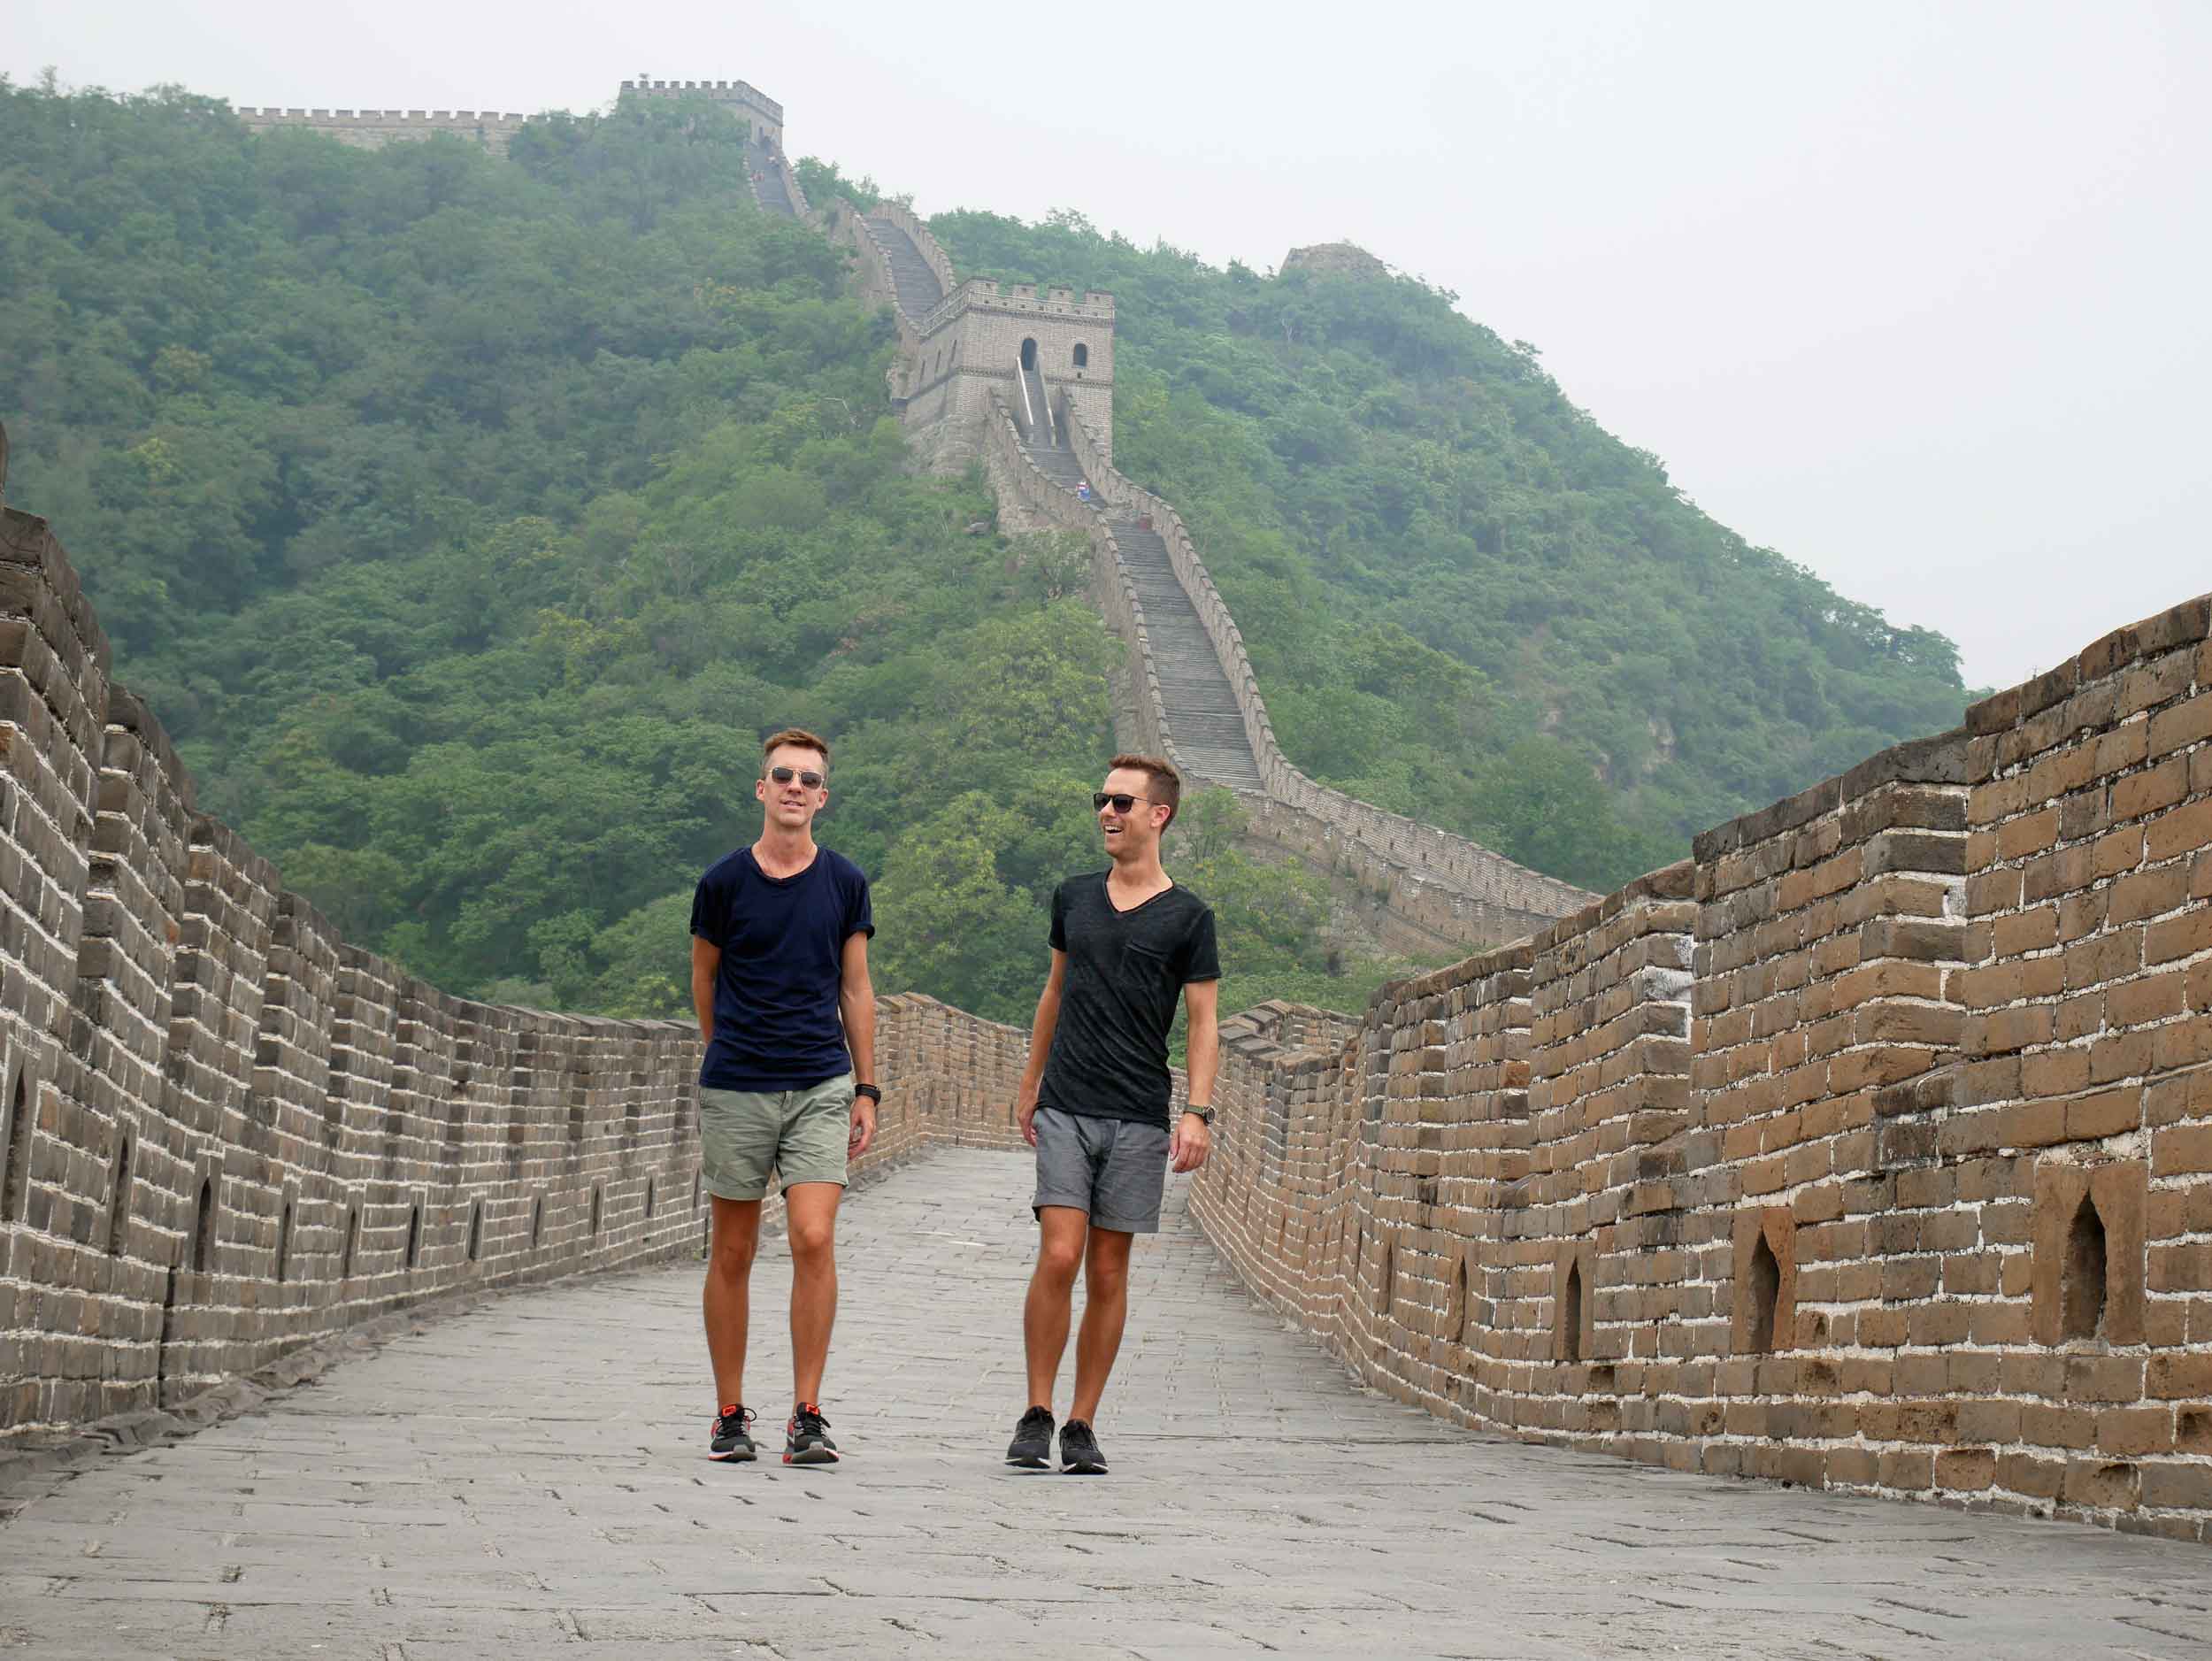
(1038, 433)
(1203, 721)
(919, 291)
(1202, 716)
(768, 190)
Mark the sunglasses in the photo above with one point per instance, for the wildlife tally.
(1122, 802)
(806, 777)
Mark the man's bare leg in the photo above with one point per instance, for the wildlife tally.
(727, 1298)
(1105, 1308)
(810, 1213)
(1045, 1316)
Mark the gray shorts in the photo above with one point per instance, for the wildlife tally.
(1114, 1169)
(802, 1134)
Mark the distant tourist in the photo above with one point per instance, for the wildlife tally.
(780, 977)
(1083, 491)
(1095, 1100)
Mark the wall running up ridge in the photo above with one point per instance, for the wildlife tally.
(1870, 1148)
(1435, 890)
(1455, 890)
(954, 379)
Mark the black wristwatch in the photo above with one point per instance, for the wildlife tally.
(871, 1092)
(1204, 1115)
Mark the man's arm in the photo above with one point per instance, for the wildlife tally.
(1193, 1140)
(856, 1005)
(706, 961)
(1040, 1031)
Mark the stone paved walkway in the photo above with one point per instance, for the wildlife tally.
(525, 1478)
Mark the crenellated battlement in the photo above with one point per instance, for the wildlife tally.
(494, 130)
(378, 118)
(980, 293)
(764, 114)
(373, 129)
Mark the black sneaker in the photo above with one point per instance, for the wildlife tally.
(1078, 1449)
(729, 1439)
(805, 1442)
(1031, 1448)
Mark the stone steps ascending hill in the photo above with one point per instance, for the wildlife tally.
(1202, 716)
(768, 190)
(1039, 432)
(919, 291)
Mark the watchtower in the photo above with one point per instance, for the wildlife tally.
(742, 98)
(1020, 344)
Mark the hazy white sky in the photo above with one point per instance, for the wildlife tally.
(1914, 293)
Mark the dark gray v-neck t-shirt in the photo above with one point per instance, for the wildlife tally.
(1125, 971)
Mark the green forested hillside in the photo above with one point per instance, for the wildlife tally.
(467, 521)
(1466, 601)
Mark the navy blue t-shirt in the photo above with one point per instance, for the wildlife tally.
(776, 1025)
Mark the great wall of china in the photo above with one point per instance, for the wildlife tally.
(1869, 1148)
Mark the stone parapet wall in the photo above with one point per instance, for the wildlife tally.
(373, 129)
(1871, 1148)
(781, 163)
(226, 1132)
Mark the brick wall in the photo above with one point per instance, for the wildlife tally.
(225, 1131)
(1871, 1147)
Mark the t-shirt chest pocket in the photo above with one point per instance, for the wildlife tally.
(1143, 959)
(1147, 974)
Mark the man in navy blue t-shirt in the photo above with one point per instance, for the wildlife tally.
(779, 978)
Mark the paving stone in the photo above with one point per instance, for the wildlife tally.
(527, 1477)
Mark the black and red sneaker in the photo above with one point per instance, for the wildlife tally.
(730, 1439)
(805, 1439)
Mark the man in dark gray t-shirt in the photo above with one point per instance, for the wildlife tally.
(1127, 944)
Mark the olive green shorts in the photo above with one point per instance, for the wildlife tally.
(799, 1134)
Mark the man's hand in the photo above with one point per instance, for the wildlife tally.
(1026, 1116)
(863, 1130)
(1187, 1148)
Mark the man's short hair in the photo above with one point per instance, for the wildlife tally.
(1166, 785)
(797, 738)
